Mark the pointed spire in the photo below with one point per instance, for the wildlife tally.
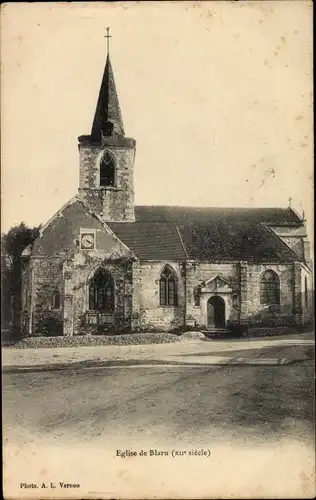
(107, 118)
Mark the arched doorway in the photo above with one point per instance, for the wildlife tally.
(216, 312)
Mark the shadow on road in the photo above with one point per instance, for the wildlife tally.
(186, 403)
(297, 351)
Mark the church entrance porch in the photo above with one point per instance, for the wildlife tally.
(216, 312)
(216, 302)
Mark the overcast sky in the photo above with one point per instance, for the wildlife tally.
(217, 95)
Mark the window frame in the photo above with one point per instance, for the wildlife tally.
(270, 289)
(168, 288)
(197, 296)
(305, 292)
(108, 153)
(25, 296)
(104, 290)
(56, 293)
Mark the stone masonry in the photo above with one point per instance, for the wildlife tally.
(112, 203)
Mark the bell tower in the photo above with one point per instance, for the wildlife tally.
(106, 183)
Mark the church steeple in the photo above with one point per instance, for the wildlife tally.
(107, 118)
(106, 180)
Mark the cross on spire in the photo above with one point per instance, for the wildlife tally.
(290, 201)
(108, 36)
(107, 118)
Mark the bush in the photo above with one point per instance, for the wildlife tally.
(237, 329)
(50, 326)
(97, 340)
(273, 331)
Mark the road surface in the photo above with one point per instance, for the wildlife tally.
(167, 403)
(256, 422)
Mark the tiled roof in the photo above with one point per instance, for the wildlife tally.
(150, 240)
(274, 216)
(174, 233)
(178, 233)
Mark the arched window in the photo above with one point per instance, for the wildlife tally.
(56, 300)
(305, 292)
(25, 296)
(101, 292)
(168, 288)
(197, 296)
(107, 170)
(235, 301)
(270, 288)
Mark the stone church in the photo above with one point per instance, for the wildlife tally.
(104, 264)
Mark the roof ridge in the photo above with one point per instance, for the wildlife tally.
(219, 207)
(266, 226)
(57, 214)
(182, 243)
(295, 212)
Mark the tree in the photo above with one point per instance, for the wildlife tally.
(12, 245)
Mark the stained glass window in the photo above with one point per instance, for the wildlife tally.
(270, 288)
(168, 288)
(101, 292)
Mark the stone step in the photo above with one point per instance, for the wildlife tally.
(215, 331)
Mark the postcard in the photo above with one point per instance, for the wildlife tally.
(156, 250)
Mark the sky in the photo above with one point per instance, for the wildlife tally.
(218, 96)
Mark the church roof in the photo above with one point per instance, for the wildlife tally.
(272, 216)
(175, 233)
(179, 233)
(108, 108)
(150, 240)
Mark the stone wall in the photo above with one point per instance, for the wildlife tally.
(70, 276)
(307, 296)
(198, 273)
(242, 303)
(58, 250)
(47, 279)
(26, 297)
(147, 312)
(77, 273)
(115, 203)
(258, 313)
(137, 292)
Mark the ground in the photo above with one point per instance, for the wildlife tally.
(279, 349)
(253, 402)
(255, 421)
